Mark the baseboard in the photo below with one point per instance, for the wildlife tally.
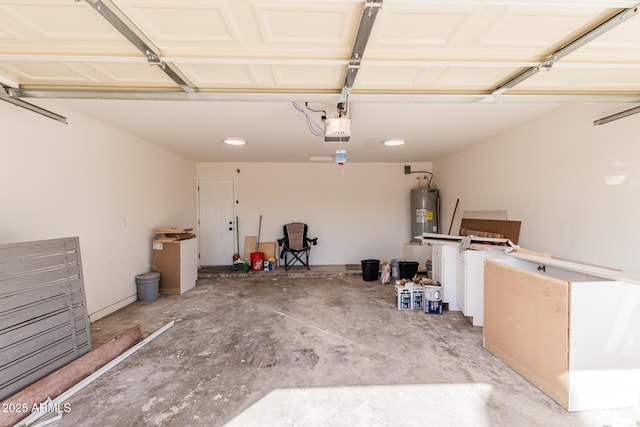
(112, 308)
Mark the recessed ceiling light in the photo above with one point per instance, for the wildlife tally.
(234, 141)
(393, 142)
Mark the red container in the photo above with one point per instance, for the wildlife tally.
(257, 261)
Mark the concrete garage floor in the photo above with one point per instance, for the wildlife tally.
(275, 349)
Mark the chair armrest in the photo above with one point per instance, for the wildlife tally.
(314, 241)
(280, 241)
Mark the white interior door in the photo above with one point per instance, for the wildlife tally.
(216, 221)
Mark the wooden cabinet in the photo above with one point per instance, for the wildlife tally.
(177, 263)
(570, 329)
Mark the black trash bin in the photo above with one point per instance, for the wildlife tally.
(408, 269)
(370, 269)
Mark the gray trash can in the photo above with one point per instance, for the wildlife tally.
(395, 268)
(148, 286)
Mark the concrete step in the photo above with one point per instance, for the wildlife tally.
(295, 271)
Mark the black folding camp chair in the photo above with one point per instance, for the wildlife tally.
(296, 243)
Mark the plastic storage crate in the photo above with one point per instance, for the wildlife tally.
(404, 298)
(418, 297)
(433, 307)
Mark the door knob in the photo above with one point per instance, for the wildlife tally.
(230, 228)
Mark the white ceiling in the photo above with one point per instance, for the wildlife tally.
(427, 73)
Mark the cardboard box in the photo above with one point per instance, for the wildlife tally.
(509, 229)
(270, 250)
(250, 245)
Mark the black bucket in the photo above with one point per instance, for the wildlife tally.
(370, 269)
(408, 269)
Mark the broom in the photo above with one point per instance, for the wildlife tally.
(259, 228)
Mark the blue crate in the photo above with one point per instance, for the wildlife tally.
(433, 307)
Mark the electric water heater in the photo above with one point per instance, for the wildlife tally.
(424, 212)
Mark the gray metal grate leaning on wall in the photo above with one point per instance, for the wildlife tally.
(43, 313)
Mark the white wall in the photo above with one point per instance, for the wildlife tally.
(358, 212)
(82, 179)
(551, 173)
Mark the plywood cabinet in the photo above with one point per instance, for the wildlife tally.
(571, 330)
(177, 263)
